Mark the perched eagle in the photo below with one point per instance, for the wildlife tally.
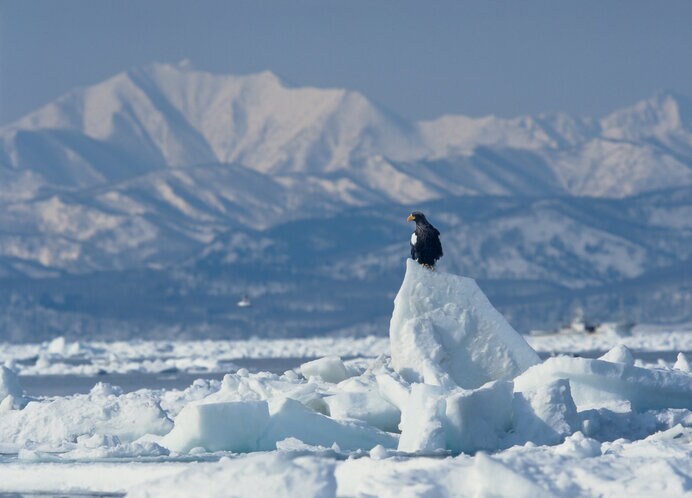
(425, 241)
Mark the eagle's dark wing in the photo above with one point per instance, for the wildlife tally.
(437, 245)
(428, 247)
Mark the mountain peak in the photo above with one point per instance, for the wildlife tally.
(185, 69)
(663, 113)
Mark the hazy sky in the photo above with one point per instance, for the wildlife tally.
(419, 59)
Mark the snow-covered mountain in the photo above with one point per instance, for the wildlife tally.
(645, 147)
(168, 169)
(336, 141)
(166, 116)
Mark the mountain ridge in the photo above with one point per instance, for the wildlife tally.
(164, 116)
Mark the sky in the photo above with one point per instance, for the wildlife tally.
(418, 59)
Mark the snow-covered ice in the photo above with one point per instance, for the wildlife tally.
(328, 368)
(544, 413)
(619, 354)
(205, 356)
(444, 331)
(598, 382)
(232, 426)
(463, 407)
(368, 406)
(62, 357)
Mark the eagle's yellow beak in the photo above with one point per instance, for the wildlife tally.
(410, 218)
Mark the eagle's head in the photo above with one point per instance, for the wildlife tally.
(418, 217)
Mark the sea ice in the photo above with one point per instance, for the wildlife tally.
(595, 383)
(290, 418)
(580, 446)
(329, 369)
(459, 421)
(57, 422)
(394, 390)
(231, 426)
(460, 382)
(266, 386)
(135, 449)
(246, 426)
(423, 420)
(619, 354)
(479, 419)
(445, 332)
(264, 475)
(545, 414)
(368, 406)
(493, 478)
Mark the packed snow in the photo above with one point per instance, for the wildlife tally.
(458, 404)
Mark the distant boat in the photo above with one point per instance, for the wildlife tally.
(244, 302)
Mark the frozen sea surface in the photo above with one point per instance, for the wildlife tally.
(59, 384)
(64, 384)
(79, 440)
(579, 467)
(62, 357)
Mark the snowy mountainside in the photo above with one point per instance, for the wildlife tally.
(536, 258)
(154, 219)
(166, 116)
(169, 174)
(632, 150)
(569, 241)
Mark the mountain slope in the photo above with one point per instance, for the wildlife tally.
(164, 116)
(535, 258)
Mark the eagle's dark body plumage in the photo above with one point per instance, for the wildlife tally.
(425, 241)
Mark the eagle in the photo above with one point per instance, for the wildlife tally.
(425, 241)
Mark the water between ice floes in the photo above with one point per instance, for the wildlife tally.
(63, 385)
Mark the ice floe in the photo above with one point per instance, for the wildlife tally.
(445, 332)
(328, 368)
(597, 383)
(56, 423)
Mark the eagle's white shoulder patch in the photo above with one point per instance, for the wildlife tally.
(414, 239)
